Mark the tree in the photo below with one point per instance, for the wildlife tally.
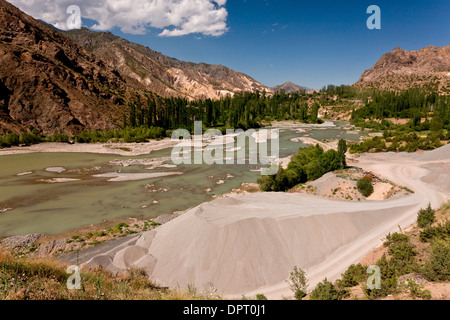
(132, 115)
(425, 217)
(325, 290)
(298, 282)
(124, 121)
(315, 112)
(437, 268)
(365, 187)
(342, 149)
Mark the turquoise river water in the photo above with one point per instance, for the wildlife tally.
(30, 204)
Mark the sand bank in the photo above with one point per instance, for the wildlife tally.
(117, 176)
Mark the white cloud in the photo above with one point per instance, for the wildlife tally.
(173, 17)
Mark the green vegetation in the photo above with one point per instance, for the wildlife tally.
(439, 232)
(437, 268)
(342, 149)
(261, 296)
(354, 275)
(326, 290)
(138, 134)
(365, 186)
(402, 139)
(245, 110)
(427, 128)
(411, 104)
(401, 259)
(153, 117)
(298, 283)
(426, 217)
(308, 164)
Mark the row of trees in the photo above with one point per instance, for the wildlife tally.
(246, 110)
(413, 104)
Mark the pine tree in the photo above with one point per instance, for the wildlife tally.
(342, 149)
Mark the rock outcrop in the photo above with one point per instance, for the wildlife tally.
(400, 69)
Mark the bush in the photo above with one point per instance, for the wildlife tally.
(365, 187)
(299, 295)
(437, 268)
(298, 282)
(354, 275)
(425, 217)
(325, 290)
(441, 231)
(261, 296)
(395, 238)
(389, 278)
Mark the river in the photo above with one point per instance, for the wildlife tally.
(53, 193)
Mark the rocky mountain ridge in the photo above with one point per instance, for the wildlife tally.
(166, 76)
(400, 69)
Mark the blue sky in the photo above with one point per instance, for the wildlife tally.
(311, 43)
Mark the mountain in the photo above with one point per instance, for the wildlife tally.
(49, 82)
(166, 76)
(71, 81)
(289, 87)
(401, 69)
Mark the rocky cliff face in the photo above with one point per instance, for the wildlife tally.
(401, 69)
(161, 74)
(51, 83)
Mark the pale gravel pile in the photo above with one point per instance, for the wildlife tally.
(248, 244)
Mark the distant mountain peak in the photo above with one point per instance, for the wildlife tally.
(289, 87)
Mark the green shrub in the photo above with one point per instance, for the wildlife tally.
(261, 296)
(395, 238)
(389, 278)
(437, 268)
(325, 290)
(425, 217)
(365, 187)
(299, 295)
(441, 231)
(100, 234)
(354, 275)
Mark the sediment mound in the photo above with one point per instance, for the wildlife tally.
(244, 243)
(241, 243)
